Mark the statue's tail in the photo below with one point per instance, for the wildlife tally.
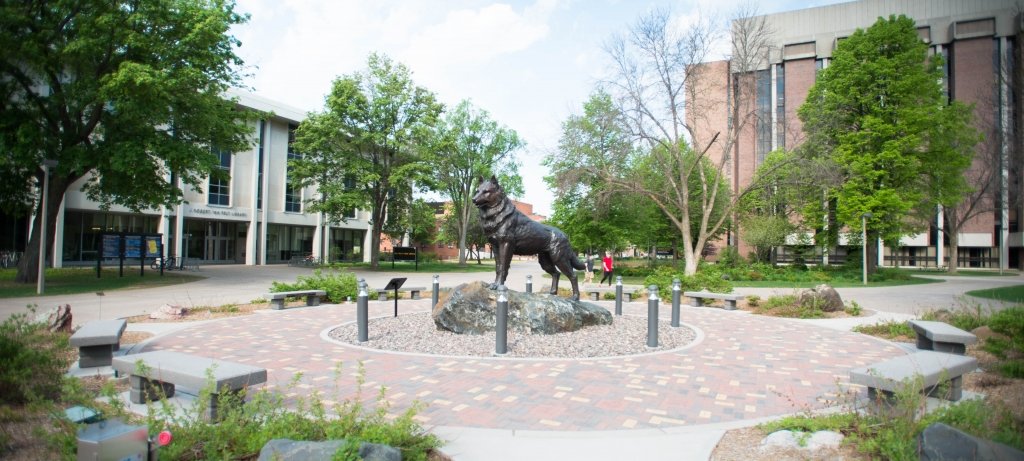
(576, 263)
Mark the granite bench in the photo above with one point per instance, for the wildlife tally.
(382, 294)
(312, 297)
(699, 297)
(595, 292)
(154, 375)
(936, 370)
(941, 337)
(97, 340)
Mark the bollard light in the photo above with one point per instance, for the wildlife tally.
(437, 289)
(618, 295)
(501, 323)
(675, 302)
(529, 284)
(362, 312)
(652, 316)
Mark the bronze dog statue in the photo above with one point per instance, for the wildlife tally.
(510, 232)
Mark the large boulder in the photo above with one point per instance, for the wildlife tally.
(56, 318)
(940, 442)
(470, 309)
(295, 450)
(823, 296)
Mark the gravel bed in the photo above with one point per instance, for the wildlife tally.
(627, 335)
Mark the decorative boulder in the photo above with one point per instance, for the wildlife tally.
(939, 442)
(168, 312)
(56, 318)
(293, 450)
(471, 308)
(823, 296)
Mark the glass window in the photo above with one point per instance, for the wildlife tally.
(259, 163)
(780, 106)
(764, 114)
(220, 188)
(292, 194)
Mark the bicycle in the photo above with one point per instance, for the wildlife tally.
(168, 263)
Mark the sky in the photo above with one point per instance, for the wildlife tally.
(529, 64)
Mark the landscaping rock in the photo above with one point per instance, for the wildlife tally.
(470, 309)
(823, 296)
(168, 312)
(820, 440)
(293, 450)
(942, 442)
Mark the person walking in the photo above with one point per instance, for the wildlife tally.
(608, 266)
(589, 278)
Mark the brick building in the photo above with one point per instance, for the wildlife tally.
(980, 41)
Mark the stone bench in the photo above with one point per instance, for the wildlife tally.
(699, 297)
(595, 292)
(941, 337)
(382, 294)
(936, 369)
(161, 371)
(312, 297)
(97, 340)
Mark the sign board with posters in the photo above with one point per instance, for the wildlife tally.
(405, 254)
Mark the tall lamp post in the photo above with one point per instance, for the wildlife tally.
(864, 228)
(41, 277)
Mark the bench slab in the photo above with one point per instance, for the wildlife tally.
(933, 368)
(382, 294)
(312, 297)
(97, 340)
(941, 337)
(699, 296)
(166, 369)
(595, 292)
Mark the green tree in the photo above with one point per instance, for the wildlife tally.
(125, 94)
(413, 217)
(662, 97)
(878, 113)
(469, 145)
(374, 128)
(475, 237)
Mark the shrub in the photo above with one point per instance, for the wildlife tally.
(32, 360)
(730, 257)
(338, 284)
(704, 279)
(854, 309)
(889, 329)
(1009, 347)
(787, 306)
(753, 300)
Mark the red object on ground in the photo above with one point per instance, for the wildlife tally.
(164, 438)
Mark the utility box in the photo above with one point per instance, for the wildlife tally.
(113, 440)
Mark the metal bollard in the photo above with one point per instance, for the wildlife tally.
(436, 292)
(652, 316)
(618, 295)
(529, 284)
(362, 311)
(675, 302)
(501, 323)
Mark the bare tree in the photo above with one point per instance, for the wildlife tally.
(671, 100)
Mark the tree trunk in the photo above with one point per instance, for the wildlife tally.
(28, 266)
(954, 250)
(379, 209)
(463, 230)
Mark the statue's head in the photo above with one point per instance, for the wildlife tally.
(488, 193)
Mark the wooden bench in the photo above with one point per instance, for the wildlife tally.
(161, 371)
(97, 340)
(699, 297)
(941, 337)
(595, 292)
(312, 297)
(382, 294)
(936, 369)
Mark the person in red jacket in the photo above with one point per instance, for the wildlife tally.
(607, 266)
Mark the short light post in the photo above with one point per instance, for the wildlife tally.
(864, 228)
(501, 323)
(362, 312)
(618, 295)
(436, 293)
(652, 316)
(675, 302)
(529, 284)
(41, 278)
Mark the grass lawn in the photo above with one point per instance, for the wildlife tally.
(82, 280)
(833, 283)
(1012, 294)
(962, 272)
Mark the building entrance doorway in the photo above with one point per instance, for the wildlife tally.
(220, 242)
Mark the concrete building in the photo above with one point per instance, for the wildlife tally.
(253, 218)
(980, 41)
